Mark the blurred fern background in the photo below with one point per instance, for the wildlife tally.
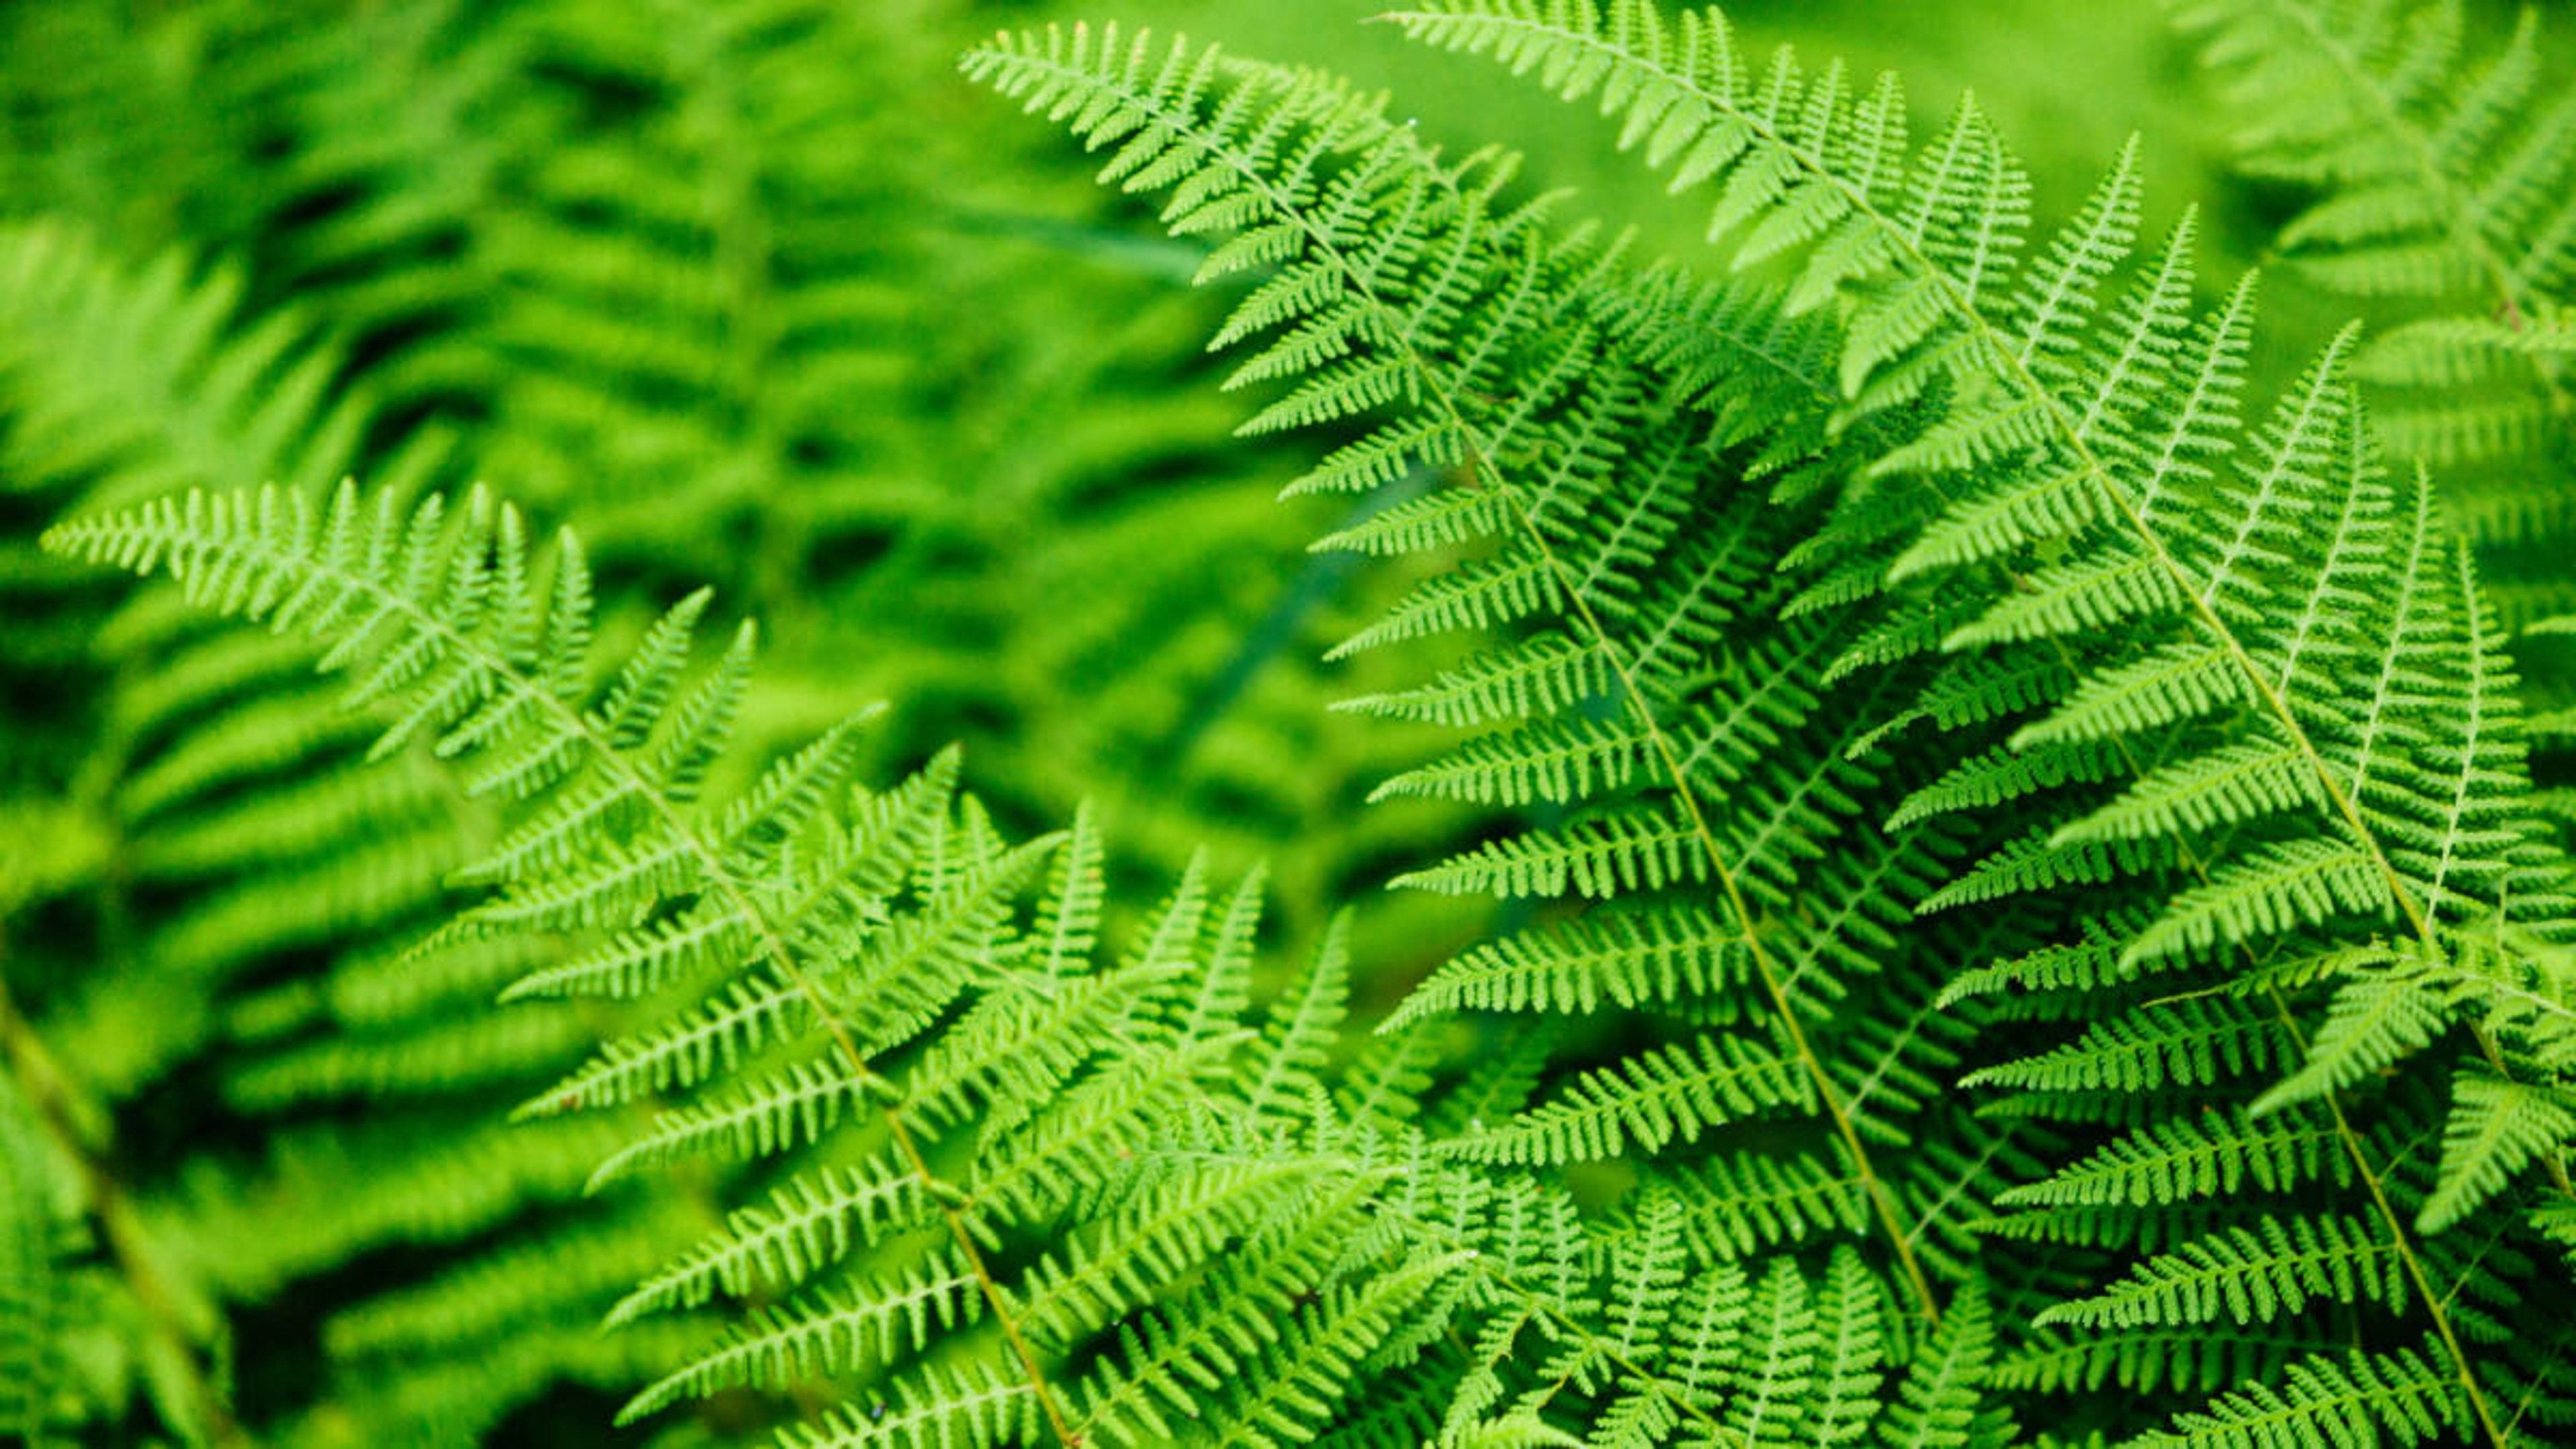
(753, 293)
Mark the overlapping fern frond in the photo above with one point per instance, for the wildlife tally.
(839, 988)
(2439, 167)
(2005, 893)
(2435, 166)
(841, 984)
(2280, 704)
(795, 945)
(2224, 683)
(1686, 769)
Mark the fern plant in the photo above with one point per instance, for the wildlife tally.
(211, 893)
(2236, 738)
(2004, 894)
(1060, 1161)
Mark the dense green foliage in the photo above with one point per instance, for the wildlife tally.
(1979, 833)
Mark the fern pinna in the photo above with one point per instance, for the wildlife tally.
(2224, 691)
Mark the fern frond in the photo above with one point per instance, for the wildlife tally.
(2497, 1126)
(413, 601)
(1465, 340)
(2299, 602)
